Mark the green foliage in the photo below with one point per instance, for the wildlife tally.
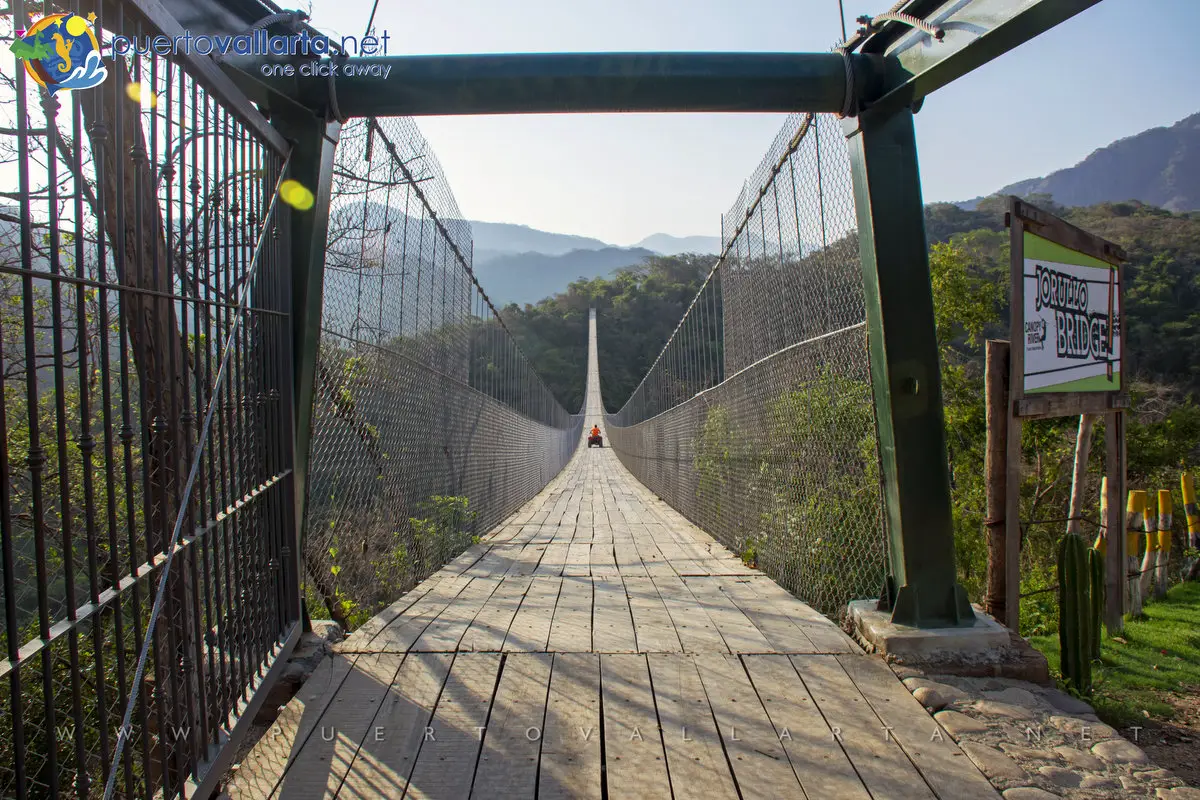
(966, 300)
(353, 588)
(712, 460)
(1162, 276)
(442, 532)
(970, 279)
(824, 517)
(750, 554)
(347, 609)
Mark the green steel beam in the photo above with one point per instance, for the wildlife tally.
(584, 82)
(313, 143)
(905, 374)
(974, 33)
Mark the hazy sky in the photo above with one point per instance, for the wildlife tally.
(1116, 69)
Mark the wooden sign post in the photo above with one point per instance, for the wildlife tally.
(1065, 360)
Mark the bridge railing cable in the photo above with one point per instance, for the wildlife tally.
(756, 421)
(429, 423)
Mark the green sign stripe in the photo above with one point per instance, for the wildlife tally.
(1093, 383)
(1041, 249)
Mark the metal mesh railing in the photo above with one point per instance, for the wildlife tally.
(756, 421)
(124, 254)
(429, 425)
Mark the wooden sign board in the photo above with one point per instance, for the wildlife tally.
(1066, 359)
(1066, 317)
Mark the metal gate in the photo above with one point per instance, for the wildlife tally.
(146, 366)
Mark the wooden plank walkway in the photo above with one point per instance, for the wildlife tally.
(598, 644)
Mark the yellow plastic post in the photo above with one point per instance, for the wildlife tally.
(1135, 509)
(1135, 512)
(1099, 544)
(1150, 559)
(1190, 509)
(1165, 520)
(1165, 530)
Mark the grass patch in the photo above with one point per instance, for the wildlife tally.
(1157, 655)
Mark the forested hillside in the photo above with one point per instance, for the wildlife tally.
(639, 307)
(636, 311)
(1162, 294)
(1159, 166)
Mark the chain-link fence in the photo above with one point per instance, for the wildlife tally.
(429, 425)
(756, 421)
(142, 246)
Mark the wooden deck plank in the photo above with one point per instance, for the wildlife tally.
(264, 766)
(530, 628)
(490, 627)
(629, 560)
(760, 764)
(879, 761)
(385, 761)
(652, 625)
(818, 760)
(612, 622)
(737, 629)
(603, 560)
(405, 629)
(496, 562)
(571, 631)
(945, 767)
(372, 627)
(634, 758)
(570, 762)
(696, 630)
(526, 561)
(825, 636)
(778, 629)
(695, 757)
(653, 560)
(553, 559)
(579, 559)
(445, 632)
(508, 763)
(447, 759)
(325, 757)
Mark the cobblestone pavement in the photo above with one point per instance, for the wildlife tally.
(1033, 742)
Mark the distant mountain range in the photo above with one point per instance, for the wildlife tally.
(668, 245)
(497, 238)
(519, 264)
(528, 277)
(1159, 167)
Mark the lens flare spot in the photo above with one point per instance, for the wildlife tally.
(296, 195)
(142, 93)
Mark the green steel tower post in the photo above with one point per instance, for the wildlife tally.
(922, 588)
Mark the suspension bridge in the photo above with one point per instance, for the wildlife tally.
(248, 371)
(599, 633)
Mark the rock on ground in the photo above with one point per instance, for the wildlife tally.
(1035, 742)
